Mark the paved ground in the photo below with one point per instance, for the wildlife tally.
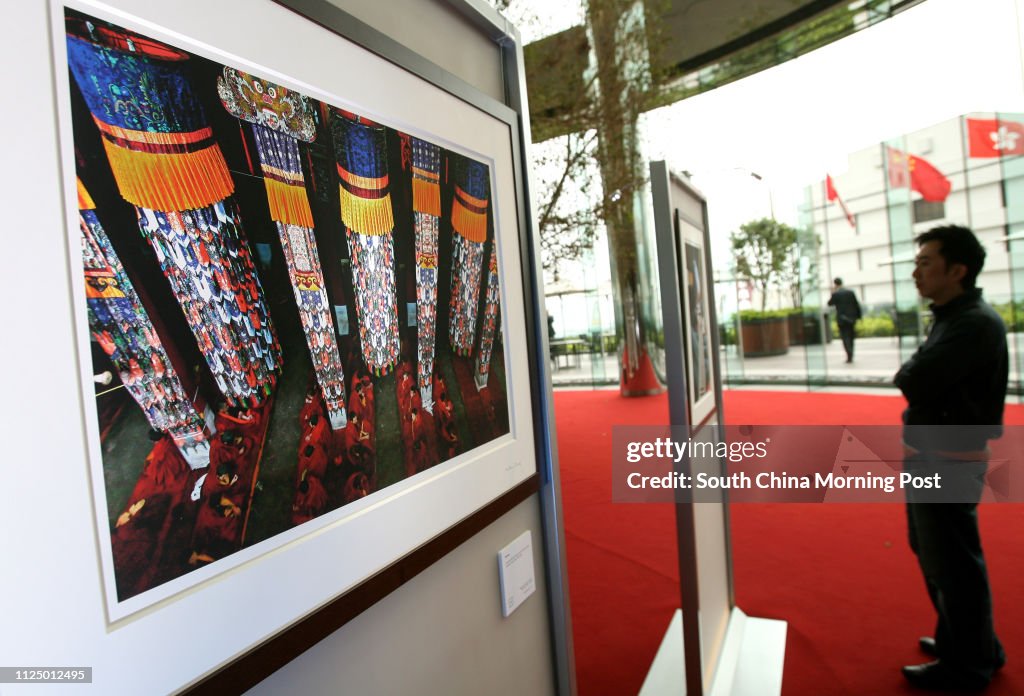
(875, 362)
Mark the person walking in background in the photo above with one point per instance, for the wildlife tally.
(847, 314)
(955, 386)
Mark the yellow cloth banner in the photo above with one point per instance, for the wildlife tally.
(426, 197)
(84, 199)
(288, 204)
(366, 215)
(181, 181)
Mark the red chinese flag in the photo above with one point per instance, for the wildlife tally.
(919, 173)
(990, 137)
(832, 195)
(927, 180)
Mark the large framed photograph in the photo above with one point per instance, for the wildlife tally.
(299, 307)
(696, 320)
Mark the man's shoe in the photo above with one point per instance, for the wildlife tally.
(928, 647)
(935, 676)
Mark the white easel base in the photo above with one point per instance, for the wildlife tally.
(751, 662)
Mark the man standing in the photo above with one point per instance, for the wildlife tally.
(847, 314)
(955, 385)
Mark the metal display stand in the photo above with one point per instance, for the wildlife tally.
(711, 646)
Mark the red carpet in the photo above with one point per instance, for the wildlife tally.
(841, 575)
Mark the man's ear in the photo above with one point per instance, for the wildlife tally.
(958, 271)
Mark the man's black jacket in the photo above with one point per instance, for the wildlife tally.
(957, 377)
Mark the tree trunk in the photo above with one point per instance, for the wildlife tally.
(612, 26)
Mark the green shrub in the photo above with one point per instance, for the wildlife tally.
(727, 334)
(876, 325)
(756, 314)
(1012, 314)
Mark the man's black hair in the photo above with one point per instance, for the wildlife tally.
(957, 244)
(837, 280)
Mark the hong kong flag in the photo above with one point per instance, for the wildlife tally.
(923, 177)
(992, 137)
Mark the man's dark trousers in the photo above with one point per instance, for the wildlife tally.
(944, 537)
(846, 333)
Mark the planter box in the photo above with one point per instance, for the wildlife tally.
(805, 330)
(764, 337)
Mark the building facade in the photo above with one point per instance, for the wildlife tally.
(871, 249)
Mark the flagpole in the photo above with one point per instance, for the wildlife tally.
(828, 242)
(963, 157)
(826, 318)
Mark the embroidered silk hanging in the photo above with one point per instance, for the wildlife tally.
(469, 225)
(490, 325)
(366, 211)
(426, 205)
(121, 326)
(280, 118)
(167, 164)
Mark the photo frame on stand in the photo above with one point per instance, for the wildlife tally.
(298, 268)
(697, 322)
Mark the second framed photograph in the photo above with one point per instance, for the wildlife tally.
(696, 320)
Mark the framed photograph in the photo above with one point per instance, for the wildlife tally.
(696, 320)
(299, 306)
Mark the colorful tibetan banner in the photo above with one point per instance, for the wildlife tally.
(426, 205)
(469, 225)
(280, 118)
(166, 163)
(366, 212)
(119, 323)
(490, 326)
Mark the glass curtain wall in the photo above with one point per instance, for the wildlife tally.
(582, 334)
(809, 327)
(1012, 170)
(896, 180)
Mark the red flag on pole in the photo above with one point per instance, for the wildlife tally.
(922, 177)
(992, 137)
(833, 195)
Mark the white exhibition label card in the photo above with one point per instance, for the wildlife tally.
(515, 569)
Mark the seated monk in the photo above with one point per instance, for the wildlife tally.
(418, 458)
(362, 458)
(362, 396)
(311, 407)
(310, 499)
(444, 408)
(216, 536)
(413, 425)
(227, 453)
(314, 460)
(356, 432)
(357, 486)
(240, 415)
(227, 473)
(165, 466)
(449, 439)
(224, 506)
(315, 432)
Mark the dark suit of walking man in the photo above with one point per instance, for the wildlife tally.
(955, 386)
(847, 314)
